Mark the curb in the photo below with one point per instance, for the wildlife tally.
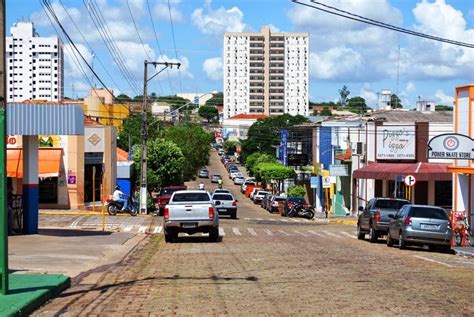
(87, 213)
(464, 253)
(343, 221)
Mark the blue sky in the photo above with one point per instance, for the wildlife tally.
(343, 52)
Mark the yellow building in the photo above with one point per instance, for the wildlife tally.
(100, 105)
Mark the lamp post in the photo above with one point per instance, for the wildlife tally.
(143, 176)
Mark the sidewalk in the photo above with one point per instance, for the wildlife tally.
(81, 212)
(464, 251)
(30, 291)
(343, 220)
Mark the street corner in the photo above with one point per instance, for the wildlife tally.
(346, 221)
(27, 292)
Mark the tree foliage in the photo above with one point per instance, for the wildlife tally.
(395, 102)
(357, 105)
(132, 126)
(296, 191)
(443, 108)
(123, 98)
(273, 171)
(165, 163)
(325, 112)
(256, 158)
(343, 95)
(216, 100)
(208, 112)
(195, 144)
(264, 135)
(230, 146)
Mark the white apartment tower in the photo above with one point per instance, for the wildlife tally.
(265, 73)
(34, 65)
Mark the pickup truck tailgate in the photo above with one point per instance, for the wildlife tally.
(191, 211)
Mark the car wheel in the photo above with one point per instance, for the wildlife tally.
(401, 243)
(389, 240)
(234, 215)
(360, 233)
(170, 236)
(372, 235)
(214, 234)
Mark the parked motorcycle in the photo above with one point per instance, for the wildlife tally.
(114, 207)
(297, 210)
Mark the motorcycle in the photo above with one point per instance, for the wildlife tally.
(114, 207)
(298, 210)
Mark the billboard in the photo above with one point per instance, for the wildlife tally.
(396, 142)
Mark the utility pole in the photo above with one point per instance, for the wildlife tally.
(144, 152)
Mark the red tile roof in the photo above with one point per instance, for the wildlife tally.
(249, 116)
(122, 155)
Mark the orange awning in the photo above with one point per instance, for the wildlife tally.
(49, 162)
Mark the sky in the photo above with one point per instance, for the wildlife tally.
(367, 59)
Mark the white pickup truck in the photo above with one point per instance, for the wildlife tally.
(191, 211)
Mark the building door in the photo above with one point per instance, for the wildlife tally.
(92, 161)
(421, 193)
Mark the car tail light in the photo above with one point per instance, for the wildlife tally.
(166, 214)
(211, 213)
(234, 203)
(408, 220)
(377, 215)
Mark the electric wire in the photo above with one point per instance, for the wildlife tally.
(174, 44)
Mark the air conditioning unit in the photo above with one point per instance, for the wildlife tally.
(358, 148)
(362, 159)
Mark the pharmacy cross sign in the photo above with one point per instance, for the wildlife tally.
(410, 180)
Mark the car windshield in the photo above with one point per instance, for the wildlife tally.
(262, 192)
(390, 204)
(279, 198)
(222, 197)
(221, 191)
(216, 175)
(428, 212)
(180, 197)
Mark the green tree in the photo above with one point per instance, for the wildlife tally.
(165, 164)
(230, 146)
(343, 95)
(443, 108)
(357, 104)
(216, 100)
(132, 128)
(264, 135)
(255, 159)
(175, 102)
(208, 112)
(195, 144)
(326, 112)
(395, 102)
(123, 98)
(296, 191)
(273, 171)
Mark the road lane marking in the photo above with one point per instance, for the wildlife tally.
(158, 229)
(258, 219)
(301, 233)
(268, 232)
(236, 231)
(221, 232)
(284, 220)
(142, 229)
(331, 234)
(128, 228)
(295, 220)
(252, 231)
(75, 222)
(285, 233)
(246, 218)
(316, 233)
(347, 234)
(434, 261)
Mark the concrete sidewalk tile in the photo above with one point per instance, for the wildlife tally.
(30, 291)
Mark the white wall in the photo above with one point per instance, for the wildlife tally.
(296, 75)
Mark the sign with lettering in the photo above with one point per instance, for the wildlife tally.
(396, 142)
(314, 182)
(338, 170)
(451, 146)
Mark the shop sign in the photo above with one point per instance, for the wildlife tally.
(338, 170)
(297, 159)
(317, 167)
(313, 181)
(451, 146)
(71, 179)
(326, 181)
(396, 142)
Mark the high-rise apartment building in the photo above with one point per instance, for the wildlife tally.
(265, 73)
(34, 65)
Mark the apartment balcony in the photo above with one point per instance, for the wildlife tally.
(256, 97)
(256, 84)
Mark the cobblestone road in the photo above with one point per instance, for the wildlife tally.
(268, 265)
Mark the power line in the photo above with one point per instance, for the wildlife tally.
(355, 17)
(174, 44)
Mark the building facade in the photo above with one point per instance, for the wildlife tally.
(266, 73)
(34, 65)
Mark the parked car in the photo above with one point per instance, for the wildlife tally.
(273, 203)
(204, 173)
(290, 201)
(215, 178)
(165, 195)
(191, 211)
(254, 191)
(375, 217)
(248, 181)
(221, 190)
(258, 196)
(420, 225)
(239, 180)
(227, 204)
(221, 152)
(234, 174)
(265, 200)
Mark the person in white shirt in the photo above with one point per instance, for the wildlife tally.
(201, 185)
(118, 196)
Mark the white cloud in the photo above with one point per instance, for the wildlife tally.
(162, 11)
(443, 98)
(212, 67)
(216, 22)
(274, 29)
(371, 98)
(73, 61)
(336, 63)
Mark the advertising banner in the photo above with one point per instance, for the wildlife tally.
(396, 142)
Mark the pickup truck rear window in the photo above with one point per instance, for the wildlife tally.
(426, 212)
(390, 204)
(182, 197)
(222, 197)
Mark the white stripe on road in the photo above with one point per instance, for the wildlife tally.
(258, 219)
(128, 228)
(315, 233)
(295, 220)
(331, 234)
(142, 229)
(301, 233)
(252, 231)
(285, 233)
(236, 231)
(284, 220)
(246, 218)
(158, 229)
(74, 224)
(268, 232)
(221, 232)
(434, 261)
(347, 234)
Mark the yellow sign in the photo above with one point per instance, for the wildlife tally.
(317, 168)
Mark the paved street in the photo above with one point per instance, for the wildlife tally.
(265, 265)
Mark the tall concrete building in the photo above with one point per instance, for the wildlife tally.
(265, 73)
(34, 65)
